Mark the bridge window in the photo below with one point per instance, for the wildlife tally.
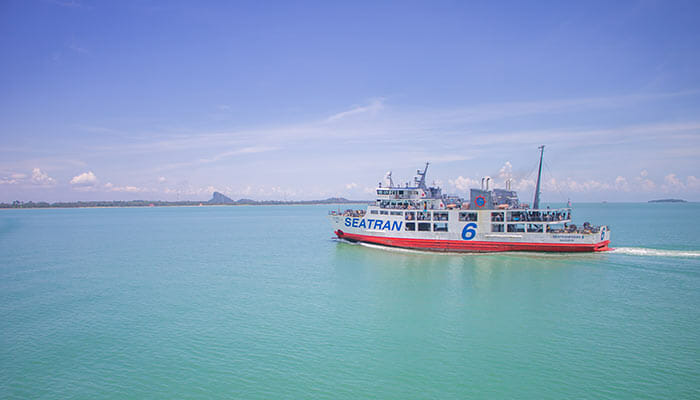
(410, 215)
(467, 216)
(440, 216)
(496, 227)
(440, 227)
(424, 226)
(516, 227)
(497, 216)
(410, 226)
(382, 212)
(373, 211)
(395, 212)
(423, 215)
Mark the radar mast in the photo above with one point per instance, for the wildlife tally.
(536, 203)
(421, 182)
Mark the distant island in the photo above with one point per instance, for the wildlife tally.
(668, 201)
(217, 199)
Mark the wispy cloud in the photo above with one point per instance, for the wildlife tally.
(218, 157)
(374, 106)
(126, 189)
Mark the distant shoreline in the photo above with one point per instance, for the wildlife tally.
(667, 201)
(153, 204)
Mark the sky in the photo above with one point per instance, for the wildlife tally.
(173, 100)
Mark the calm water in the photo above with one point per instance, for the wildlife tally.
(260, 303)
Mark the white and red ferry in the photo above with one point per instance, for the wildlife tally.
(421, 217)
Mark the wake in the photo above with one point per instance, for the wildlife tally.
(641, 251)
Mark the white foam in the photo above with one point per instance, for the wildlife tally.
(641, 251)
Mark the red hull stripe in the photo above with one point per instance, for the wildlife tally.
(473, 246)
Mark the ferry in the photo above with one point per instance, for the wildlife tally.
(493, 220)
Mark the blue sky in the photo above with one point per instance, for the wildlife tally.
(306, 100)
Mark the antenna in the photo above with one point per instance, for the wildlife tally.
(536, 203)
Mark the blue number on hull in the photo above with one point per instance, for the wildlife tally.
(469, 231)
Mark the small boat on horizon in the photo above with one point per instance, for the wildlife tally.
(493, 220)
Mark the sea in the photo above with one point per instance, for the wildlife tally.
(260, 302)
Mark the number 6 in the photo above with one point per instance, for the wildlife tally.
(469, 231)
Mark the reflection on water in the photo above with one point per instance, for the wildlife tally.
(475, 271)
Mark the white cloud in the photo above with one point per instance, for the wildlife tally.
(8, 181)
(161, 179)
(672, 180)
(692, 182)
(464, 184)
(621, 184)
(524, 184)
(86, 179)
(572, 185)
(352, 185)
(40, 177)
(643, 182)
(506, 171)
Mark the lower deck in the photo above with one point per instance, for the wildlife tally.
(470, 230)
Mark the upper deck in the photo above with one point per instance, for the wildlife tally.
(499, 210)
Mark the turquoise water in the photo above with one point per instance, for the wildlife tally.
(260, 303)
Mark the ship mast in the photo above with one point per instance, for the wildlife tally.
(536, 203)
(421, 182)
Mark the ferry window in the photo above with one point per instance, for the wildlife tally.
(496, 216)
(410, 226)
(373, 211)
(424, 226)
(534, 227)
(382, 212)
(440, 216)
(423, 215)
(516, 227)
(440, 227)
(515, 216)
(396, 213)
(467, 216)
(496, 227)
(410, 215)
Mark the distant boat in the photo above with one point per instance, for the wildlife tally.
(421, 217)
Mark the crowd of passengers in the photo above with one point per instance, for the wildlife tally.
(351, 213)
(425, 216)
(405, 207)
(533, 216)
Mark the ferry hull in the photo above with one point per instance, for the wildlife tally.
(472, 246)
